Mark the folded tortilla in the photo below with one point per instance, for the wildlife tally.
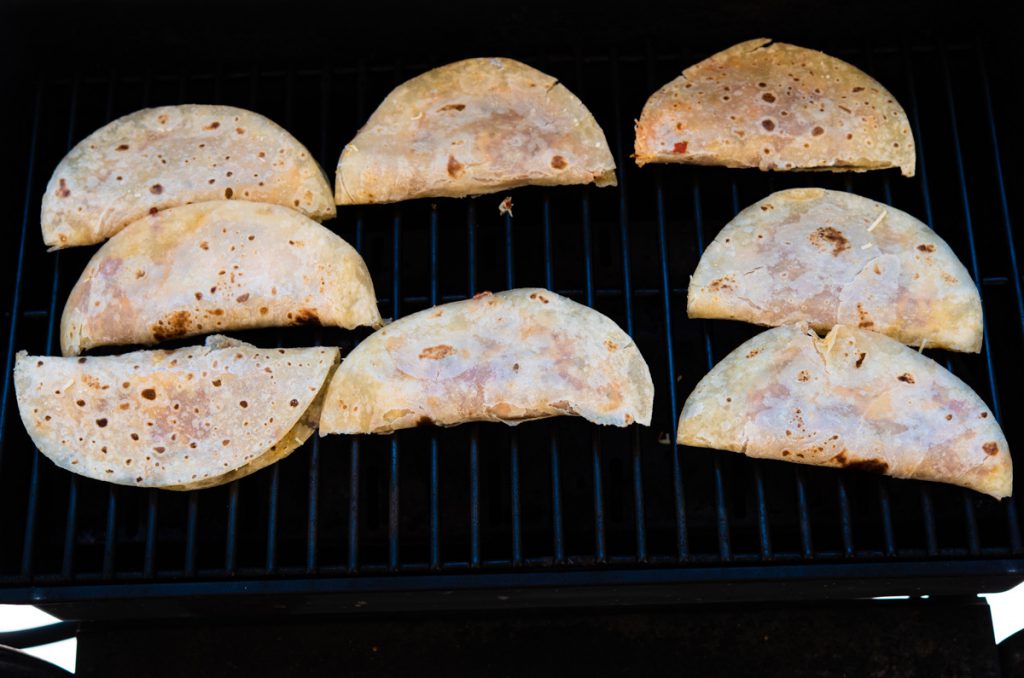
(831, 258)
(179, 420)
(216, 266)
(175, 155)
(775, 107)
(854, 399)
(509, 357)
(471, 127)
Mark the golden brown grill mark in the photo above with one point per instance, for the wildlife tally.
(438, 352)
(455, 168)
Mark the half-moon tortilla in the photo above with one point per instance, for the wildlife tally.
(175, 155)
(775, 107)
(471, 127)
(216, 266)
(831, 258)
(509, 357)
(195, 417)
(854, 399)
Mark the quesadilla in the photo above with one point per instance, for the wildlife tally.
(472, 127)
(178, 420)
(509, 357)
(216, 266)
(175, 155)
(775, 107)
(831, 258)
(854, 399)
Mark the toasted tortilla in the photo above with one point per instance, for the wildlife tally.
(175, 155)
(775, 107)
(509, 357)
(831, 258)
(854, 399)
(216, 266)
(471, 127)
(178, 420)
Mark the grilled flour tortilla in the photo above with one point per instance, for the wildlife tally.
(195, 417)
(854, 399)
(174, 155)
(216, 266)
(512, 356)
(471, 127)
(775, 107)
(830, 258)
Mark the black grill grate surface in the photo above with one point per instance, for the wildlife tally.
(556, 496)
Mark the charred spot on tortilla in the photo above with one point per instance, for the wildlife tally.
(828, 237)
(869, 465)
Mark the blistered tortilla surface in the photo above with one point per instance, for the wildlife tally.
(509, 357)
(471, 127)
(828, 258)
(175, 155)
(212, 267)
(775, 106)
(853, 399)
(184, 419)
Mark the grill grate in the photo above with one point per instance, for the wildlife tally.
(443, 508)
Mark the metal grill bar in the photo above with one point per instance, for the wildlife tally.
(353, 507)
(922, 171)
(72, 514)
(149, 555)
(435, 480)
(600, 546)
(312, 515)
(393, 506)
(806, 544)
(109, 541)
(192, 521)
(764, 533)
(27, 545)
(627, 294)
(474, 496)
(844, 519)
(270, 563)
(724, 540)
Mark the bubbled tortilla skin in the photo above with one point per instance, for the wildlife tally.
(853, 399)
(831, 257)
(164, 157)
(194, 417)
(473, 127)
(508, 357)
(216, 266)
(775, 106)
